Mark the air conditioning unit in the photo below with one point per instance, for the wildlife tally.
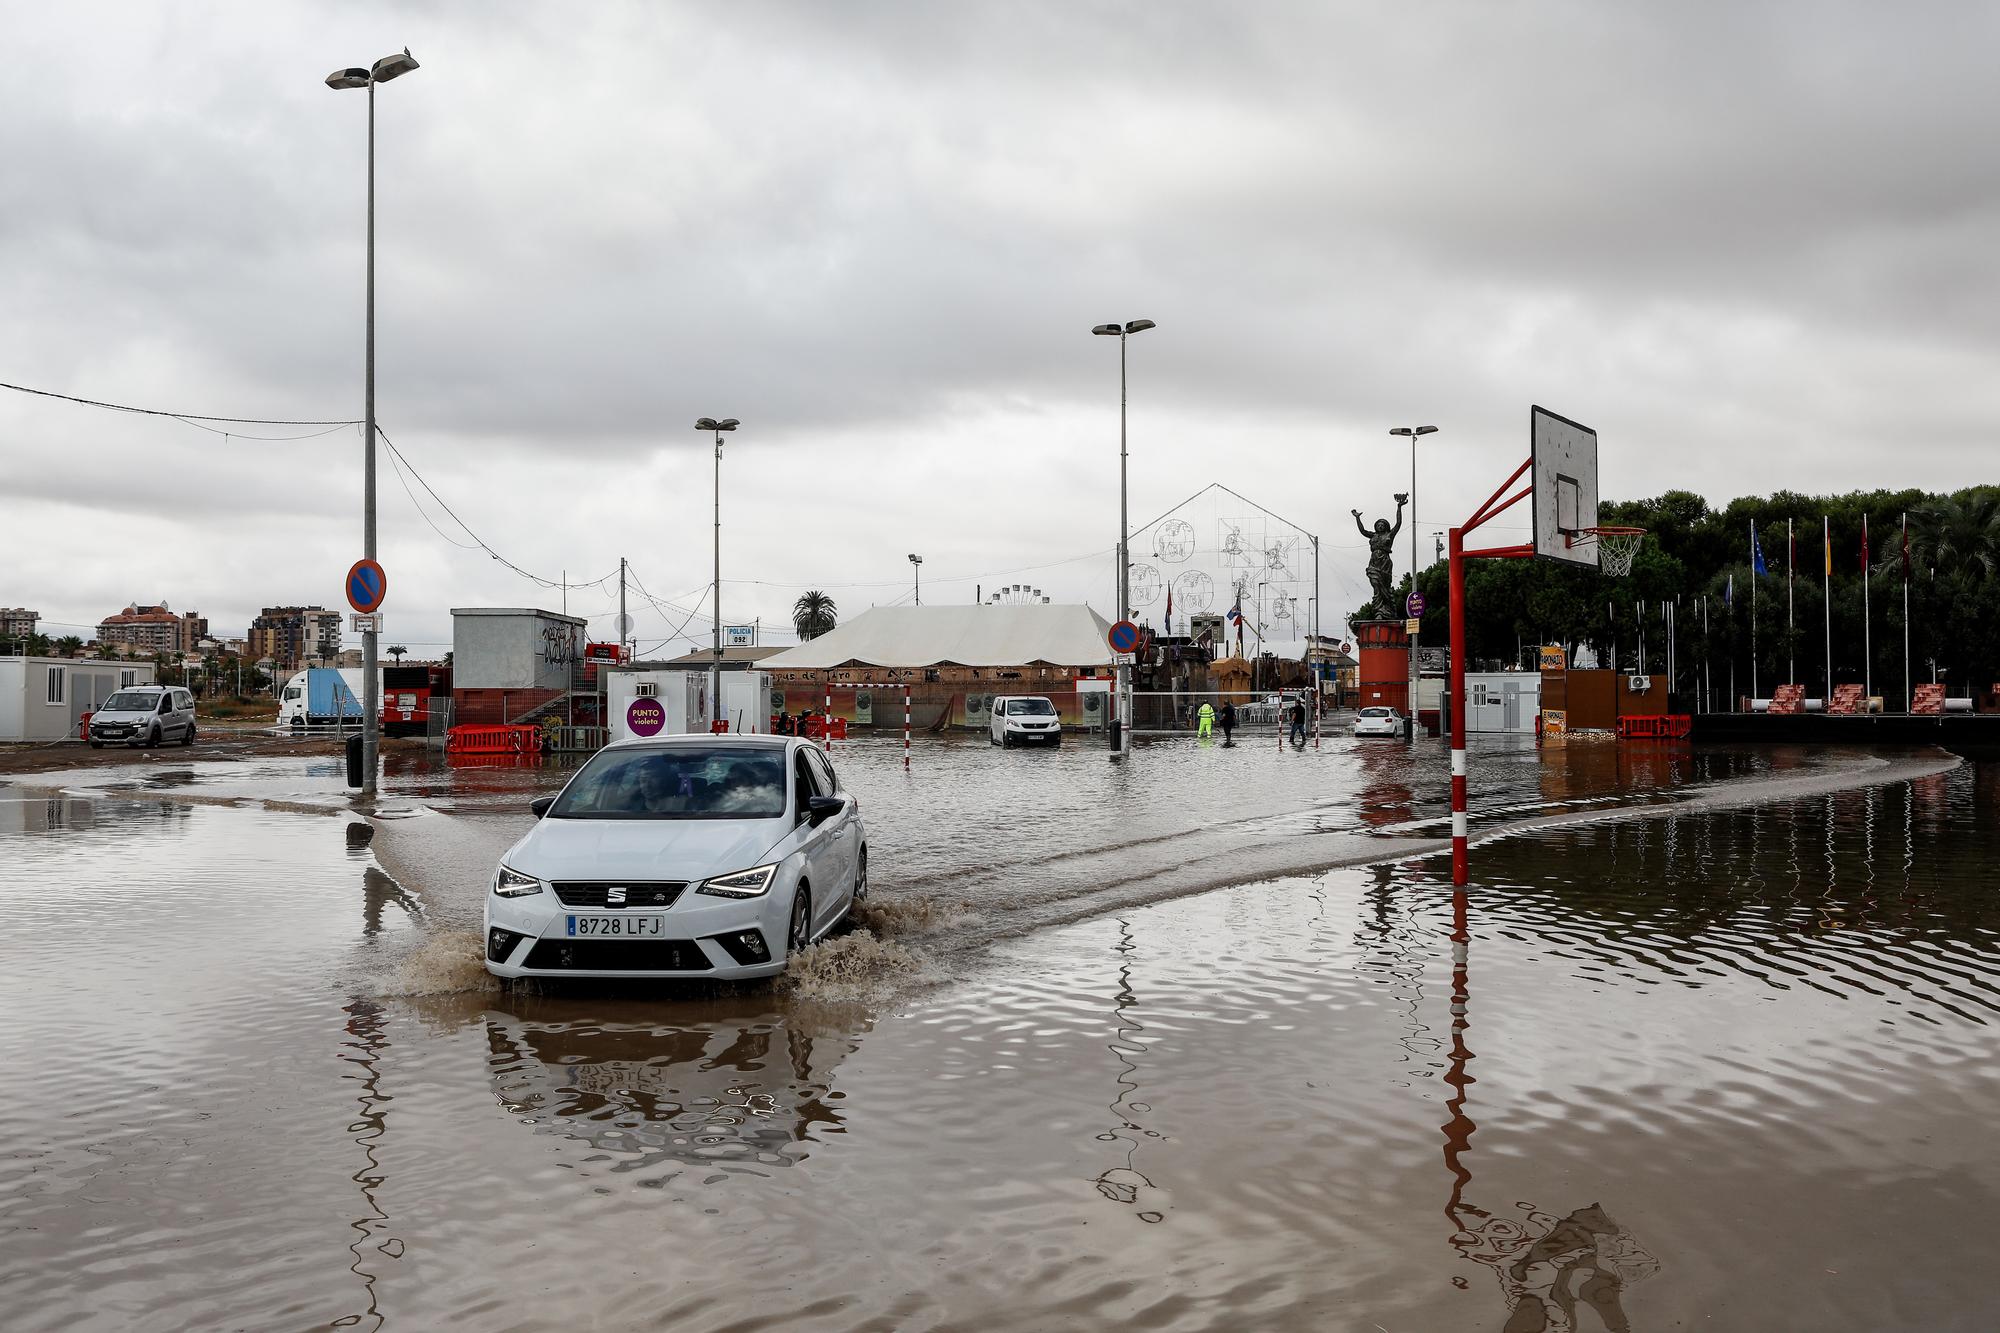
(647, 689)
(1639, 684)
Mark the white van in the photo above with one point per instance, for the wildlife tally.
(148, 715)
(1023, 719)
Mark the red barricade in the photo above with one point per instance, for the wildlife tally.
(816, 728)
(1655, 727)
(470, 739)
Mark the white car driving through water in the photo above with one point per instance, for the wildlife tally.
(695, 856)
(1378, 722)
(1024, 719)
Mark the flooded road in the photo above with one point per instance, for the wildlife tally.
(1714, 1068)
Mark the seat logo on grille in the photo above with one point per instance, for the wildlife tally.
(614, 896)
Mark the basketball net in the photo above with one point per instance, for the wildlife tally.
(1615, 547)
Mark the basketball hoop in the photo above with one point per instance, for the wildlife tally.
(1615, 547)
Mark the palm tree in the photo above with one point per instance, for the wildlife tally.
(69, 645)
(1956, 534)
(396, 650)
(813, 614)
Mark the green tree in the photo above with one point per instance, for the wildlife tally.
(813, 614)
(69, 645)
(396, 650)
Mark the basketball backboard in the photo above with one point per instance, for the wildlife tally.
(1565, 487)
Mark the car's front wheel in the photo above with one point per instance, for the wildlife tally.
(189, 738)
(861, 878)
(153, 737)
(800, 933)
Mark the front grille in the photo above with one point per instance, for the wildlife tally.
(652, 894)
(618, 956)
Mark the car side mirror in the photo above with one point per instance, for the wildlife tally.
(540, 805)
(822, 808)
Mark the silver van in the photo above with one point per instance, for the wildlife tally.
(149, 715)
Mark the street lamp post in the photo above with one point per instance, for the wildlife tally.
(387, 68)
(917, 572)
(715, 668)
(1123, 332)
(1414, 433)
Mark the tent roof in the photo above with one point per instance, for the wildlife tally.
(990, 635)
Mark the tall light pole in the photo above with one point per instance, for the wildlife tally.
(715, 668)
(1123, 333)
(387, 68)
(917, 572)
(1415, 433)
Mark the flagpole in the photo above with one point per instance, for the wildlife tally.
(1908, 702)
(1755, 552)
(1826, 532)
(1791, 625)
(1707, 653)
(1867, 627)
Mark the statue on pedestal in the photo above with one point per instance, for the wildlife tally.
(1381, 558)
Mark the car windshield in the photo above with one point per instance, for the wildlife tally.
(130, 701)
(1374, 712)
(677, 782)
(1030, 708)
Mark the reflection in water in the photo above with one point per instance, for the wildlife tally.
(1546, 1266)
(745, 1091)
(366, 1041)
(1125, 1183)
(378, 893)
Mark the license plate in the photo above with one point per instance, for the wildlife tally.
(617, 927)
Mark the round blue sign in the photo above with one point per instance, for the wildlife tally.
(367, 585)
(1124, 637)
(1413, 605)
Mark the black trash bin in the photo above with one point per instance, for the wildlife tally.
(354, 760)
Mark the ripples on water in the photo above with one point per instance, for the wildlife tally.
(1730, 1070)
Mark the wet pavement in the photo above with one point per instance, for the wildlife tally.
(1728, 1068)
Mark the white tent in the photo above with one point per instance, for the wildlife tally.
(990, 635)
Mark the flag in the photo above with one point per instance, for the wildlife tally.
(1729, 592)
(1864, 544)
(1756, 550)
(1792, 554)
(1170, 608)
(1826, 532)
(1906, 550)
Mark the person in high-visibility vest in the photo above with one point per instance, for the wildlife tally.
(1205, 719)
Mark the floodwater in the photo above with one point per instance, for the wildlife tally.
(1713, 1067)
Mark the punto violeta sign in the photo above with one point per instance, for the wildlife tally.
(645, 717)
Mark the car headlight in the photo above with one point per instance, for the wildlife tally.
(741, 884)
(511, 883)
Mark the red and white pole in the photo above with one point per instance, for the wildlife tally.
(906, 728)
(826, 720)
(1460, 870)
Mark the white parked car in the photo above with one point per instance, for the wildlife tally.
(149, 715)
(709, 856)
(1024, 720)
(1378, 722)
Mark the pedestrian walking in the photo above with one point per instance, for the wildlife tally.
(1228, 722)
(1204, 717)
(1298, 717)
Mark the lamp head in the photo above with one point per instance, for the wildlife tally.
(1140, 326)
(1427, 430)
(394, 66)
(1401, 430)
(706, 423)
(727, 423)
(349, 78)
(1108, 330)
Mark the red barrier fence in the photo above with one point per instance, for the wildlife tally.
(471, 739)
(1655, 727)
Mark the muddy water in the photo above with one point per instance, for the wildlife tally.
(1712, 1069)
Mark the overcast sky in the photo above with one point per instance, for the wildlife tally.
(1751, 244)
